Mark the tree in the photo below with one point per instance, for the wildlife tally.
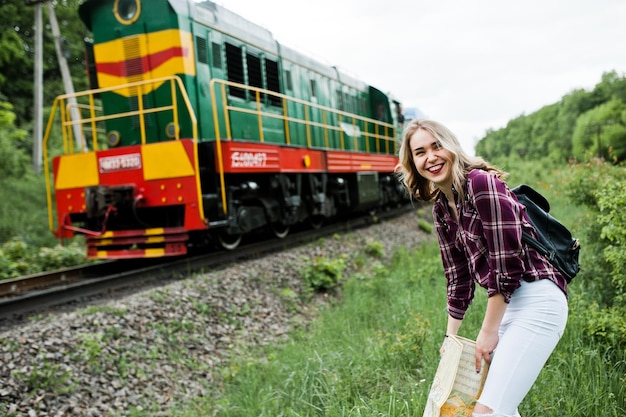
(17, 54)
(581, 124)
(601, 132)
(13, 155)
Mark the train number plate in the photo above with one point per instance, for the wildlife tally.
(120, 163)
(248, 159)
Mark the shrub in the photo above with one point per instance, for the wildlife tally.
(601, 187)
(374, 249)
(324, 274)
(425, 226)
(17, 258)
(60, 256)
(611, 201)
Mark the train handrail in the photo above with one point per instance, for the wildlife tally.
(65, 103)
(68, 106)
(389, 129)
(388, 134)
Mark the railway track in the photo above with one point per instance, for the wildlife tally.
(41, 293)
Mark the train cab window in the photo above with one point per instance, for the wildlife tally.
(201, 47)
(216, 55)
(234, 70)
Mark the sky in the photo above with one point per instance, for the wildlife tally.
(472, 65)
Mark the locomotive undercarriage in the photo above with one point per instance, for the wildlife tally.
(271, 202)
(255, 204)
(124, 203)
(117, 221)
(276, 202)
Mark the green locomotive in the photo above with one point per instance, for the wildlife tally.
(200, 125)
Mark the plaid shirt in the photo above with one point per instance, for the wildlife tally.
(485, 246)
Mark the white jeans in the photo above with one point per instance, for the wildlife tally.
(530, 330)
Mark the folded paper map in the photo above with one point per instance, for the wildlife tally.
(456, 385)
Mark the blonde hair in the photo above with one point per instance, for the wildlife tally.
(462, 163)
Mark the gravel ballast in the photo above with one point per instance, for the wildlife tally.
(145, 352)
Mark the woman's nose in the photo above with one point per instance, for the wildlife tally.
(431, 155)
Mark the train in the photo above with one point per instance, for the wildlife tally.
(199, 128)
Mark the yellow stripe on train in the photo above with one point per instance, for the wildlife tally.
(166, 160)
(77, 171)
(169, 52)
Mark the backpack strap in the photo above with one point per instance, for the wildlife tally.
(533, 196)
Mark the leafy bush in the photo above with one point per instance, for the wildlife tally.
(611, 202)
(324, 274)
(425, 226)
(49, 259)
(602, 187)
(17, 258)
(374, 249)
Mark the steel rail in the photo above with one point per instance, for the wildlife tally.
(42, 293)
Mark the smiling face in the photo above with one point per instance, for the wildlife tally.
(432, 161)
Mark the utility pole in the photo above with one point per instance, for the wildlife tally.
(67, 79)
(38, 81)
(38, 90)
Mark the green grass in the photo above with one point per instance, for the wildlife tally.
(375, 350)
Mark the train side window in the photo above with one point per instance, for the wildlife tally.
(363, 105)
(234, 70)
(347, 103)
(273, 83)
(288, 80)
(255, 77)
(313, 89)
(201, 47)
(340, 100)
(216, 55)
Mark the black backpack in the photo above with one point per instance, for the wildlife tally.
(555, 240)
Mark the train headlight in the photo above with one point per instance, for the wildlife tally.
(171, 130)
(113, 138)
(127, 11)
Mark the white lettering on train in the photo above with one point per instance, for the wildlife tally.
(120, 162)
(248, 159)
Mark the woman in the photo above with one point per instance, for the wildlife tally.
(479, 224)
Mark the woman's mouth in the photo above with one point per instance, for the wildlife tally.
(435, 169)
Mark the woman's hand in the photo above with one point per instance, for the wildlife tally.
(486, 343)
(488, 338)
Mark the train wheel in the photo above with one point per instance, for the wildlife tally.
(280, 230)
(228, 241)
(316, 221)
